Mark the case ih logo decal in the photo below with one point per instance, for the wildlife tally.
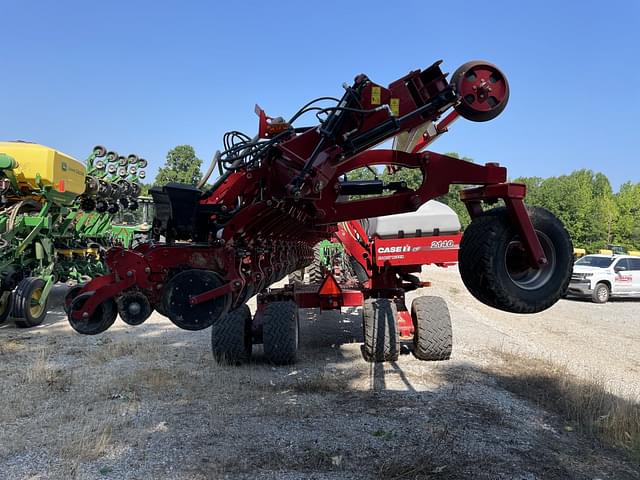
(399, 249)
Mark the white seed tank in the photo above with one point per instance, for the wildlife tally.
(430, 218)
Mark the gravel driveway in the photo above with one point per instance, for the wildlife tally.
(149, 402)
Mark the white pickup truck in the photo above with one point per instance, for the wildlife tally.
(603, 276)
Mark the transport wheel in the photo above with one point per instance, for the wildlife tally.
(432, 337)
(483, 90)
(381, 336)
(103, 317)
(27, 310)
(601, 293)
(5, 305)
(134, 308)
(231, 337)
(280, 332)
(495, 269)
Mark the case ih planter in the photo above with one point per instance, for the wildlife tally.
(284, 190)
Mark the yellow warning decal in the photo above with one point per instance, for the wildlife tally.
(375, 95)
(395, 106)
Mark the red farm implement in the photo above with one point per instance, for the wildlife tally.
(284, 190)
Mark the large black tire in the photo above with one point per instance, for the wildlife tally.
(5, 304)
(381, 336)
(315, 269)
(26, 310)
(280, 332)
(231, 337)
(433, 336)
(297, 277)
(494, 267)
(601, 293)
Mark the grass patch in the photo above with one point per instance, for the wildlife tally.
(586, 404)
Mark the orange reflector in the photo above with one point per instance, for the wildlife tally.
(61, 186)
(329, 287)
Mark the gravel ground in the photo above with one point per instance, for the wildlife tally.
(149, 401)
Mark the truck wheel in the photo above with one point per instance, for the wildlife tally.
(280, 332)
(601, 293)
(381, 337)
(5, 305)
(432, 337)
(231, 337)
(495, 269)
(27, 310)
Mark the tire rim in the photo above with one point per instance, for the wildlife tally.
(520, 271)
(602, 294)
(36, 307)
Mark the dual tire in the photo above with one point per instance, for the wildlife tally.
(432, 338)
(231, 336)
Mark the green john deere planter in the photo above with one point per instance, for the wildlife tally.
(56, 220)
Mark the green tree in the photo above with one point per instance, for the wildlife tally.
(182, 165)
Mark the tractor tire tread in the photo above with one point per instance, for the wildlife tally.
(280, 332)
(381, 336)
(229, 337)
(433, 336)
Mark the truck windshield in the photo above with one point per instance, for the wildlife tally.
(590, 261)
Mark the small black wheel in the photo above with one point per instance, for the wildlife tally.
(159, 307)
(495, 269)
(132, 159)
(134, 308)
(99, 151)
(111, 157)
(280, 332)
(601, 293)
(71, 294)
(29, 308)
(5, 305)
(432, 337)
(103, 317)
(231, 337)
(381, 336)
(483, 90)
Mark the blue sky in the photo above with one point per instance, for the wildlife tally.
(144, 76)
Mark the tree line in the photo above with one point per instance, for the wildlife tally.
(593, 214)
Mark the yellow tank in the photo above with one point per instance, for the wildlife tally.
(63, 173)
(634, 253)
(605, 251)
